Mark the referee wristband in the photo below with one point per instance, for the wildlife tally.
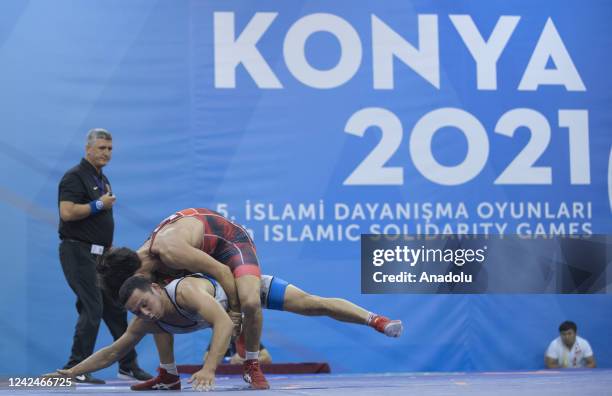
(96, 206)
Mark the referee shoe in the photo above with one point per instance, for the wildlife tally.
(87, 378)
(133, 373)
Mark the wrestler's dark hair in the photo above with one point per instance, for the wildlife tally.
(568, 325)
(135, 282)
(115, 267)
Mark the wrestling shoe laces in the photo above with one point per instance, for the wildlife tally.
(163, 381)
(390, 328)
(253, 375)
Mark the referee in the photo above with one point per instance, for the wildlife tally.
(86, 229)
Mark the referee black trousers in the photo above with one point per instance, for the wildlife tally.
(93, 304)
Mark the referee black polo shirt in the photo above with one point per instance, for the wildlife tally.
(81, 185)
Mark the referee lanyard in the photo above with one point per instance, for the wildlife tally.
(100, 184)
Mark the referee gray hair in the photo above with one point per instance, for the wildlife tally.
(98, 133)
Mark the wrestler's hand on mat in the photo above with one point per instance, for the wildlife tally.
(203, 380)
(67, 372)
(54, 374)
(60, 373)
(236, 318)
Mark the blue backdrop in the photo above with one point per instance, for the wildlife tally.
(459, 112)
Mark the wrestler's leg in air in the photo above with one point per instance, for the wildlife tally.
(302, 303)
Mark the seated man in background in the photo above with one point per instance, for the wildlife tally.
(568, 350)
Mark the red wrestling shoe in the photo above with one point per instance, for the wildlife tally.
(163, 381)
(390, 328)
(253, 375)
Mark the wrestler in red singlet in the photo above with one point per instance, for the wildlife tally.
(224, 240)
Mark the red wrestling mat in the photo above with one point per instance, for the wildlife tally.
(274, 368)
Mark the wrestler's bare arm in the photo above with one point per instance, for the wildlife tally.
(112, 353)
(192, 295)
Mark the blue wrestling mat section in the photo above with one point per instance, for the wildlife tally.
(524, 383)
